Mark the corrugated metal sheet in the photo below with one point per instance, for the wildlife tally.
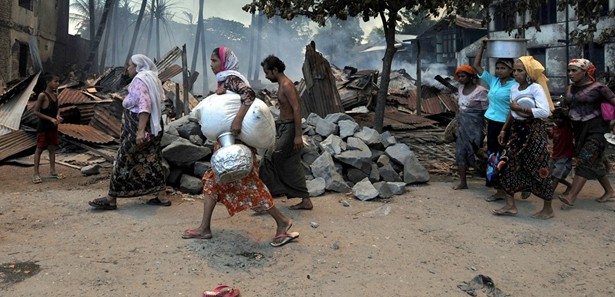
(168, 59)
(170, 72)
(16, 142)
(111, 80)
(434, 101)
(85, 133)
(72, 96)
(12, 110)
(15, 90)
(108, 118)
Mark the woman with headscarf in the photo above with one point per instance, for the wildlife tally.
(524, 165)
(583, 98)
(138, 170)
(249, 192)
(472, 105)
(499, 98)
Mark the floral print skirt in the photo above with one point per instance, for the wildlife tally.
(524, 164)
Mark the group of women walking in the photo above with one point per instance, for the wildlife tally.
(515, 108)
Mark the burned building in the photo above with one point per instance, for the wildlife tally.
(28, 30)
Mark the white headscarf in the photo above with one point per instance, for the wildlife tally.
(148, 73)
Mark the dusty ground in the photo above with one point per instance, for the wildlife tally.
(432, 240)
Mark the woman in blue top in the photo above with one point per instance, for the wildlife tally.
(499, 101)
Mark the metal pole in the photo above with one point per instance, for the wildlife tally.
(567, 35)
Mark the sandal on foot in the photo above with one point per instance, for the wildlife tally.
(102, 204)
(157, 201)
(36, 180)
(193, 234)
(284, 238)
(57, 175)
(565, 201)
(222, 291)
(493, 198)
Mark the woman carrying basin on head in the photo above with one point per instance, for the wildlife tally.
(499, 99)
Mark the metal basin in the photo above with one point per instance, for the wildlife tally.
(506, 48)
(232, 161)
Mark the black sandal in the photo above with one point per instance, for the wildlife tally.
(102, 204)
(157, 201)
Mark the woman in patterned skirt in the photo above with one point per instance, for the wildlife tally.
(249, 192)
(583, 99)
(138, 170)
(524, 165)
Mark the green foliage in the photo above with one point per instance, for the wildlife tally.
(586, 12)
(414, 22)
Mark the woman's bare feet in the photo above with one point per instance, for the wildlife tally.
(505, 211)
(305, 204)
(543, 214)
(607, 197)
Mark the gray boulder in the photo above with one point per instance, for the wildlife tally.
(190, 184)
(364, 190)
(184, 153)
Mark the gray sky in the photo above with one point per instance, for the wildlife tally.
(231, 10)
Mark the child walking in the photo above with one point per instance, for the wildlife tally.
(46, 109)
(563, 150)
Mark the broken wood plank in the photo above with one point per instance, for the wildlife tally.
(91, 149)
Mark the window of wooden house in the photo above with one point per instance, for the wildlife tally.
(547, 14)
(449, 47)
(27, 4)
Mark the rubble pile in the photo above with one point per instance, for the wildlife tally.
(339, 156)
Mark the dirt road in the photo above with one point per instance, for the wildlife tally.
(424, 243)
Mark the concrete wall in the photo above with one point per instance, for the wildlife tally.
(18, 24)
(546, 40)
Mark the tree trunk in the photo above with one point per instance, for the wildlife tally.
(115, 41)
(92, 11)
(99, 32)
(103, 56)
(387, 61)
(136, 32)
(197, 38)
(150, 30)
(205, 57)
(258, 40)
(157, 30)
(252, 35)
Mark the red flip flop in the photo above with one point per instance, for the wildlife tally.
(222, 291)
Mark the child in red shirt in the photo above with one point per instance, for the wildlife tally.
(563, 150)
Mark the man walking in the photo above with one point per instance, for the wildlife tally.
(281, 167)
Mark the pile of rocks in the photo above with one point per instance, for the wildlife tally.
(339, 156)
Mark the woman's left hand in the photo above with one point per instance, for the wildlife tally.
(236, 126)
(140, 137)
(515, 106)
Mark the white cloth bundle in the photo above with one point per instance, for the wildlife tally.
(216, 113)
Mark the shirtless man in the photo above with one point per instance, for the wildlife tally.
(281, 167)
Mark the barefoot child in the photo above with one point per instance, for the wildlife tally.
(46, 109)
(563, 150)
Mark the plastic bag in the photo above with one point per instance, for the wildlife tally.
(608, 111)
(216, 113)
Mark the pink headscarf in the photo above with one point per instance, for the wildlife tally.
(585, 65)
(229, 64)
